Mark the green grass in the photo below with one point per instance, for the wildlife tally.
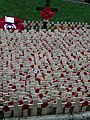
(26, 10)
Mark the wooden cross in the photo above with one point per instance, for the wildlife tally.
(41, 8)
(47, 5)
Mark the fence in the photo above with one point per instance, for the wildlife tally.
(51, 25)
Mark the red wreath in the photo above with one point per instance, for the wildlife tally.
(46, 13)
(17, 23)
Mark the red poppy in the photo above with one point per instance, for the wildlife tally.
(43, 75)
(20, 102)
(38, 79)
(74, 56)
(85, 73)
(59, 69)
(13, 87)
(81, 99)
(59, 93)
(44, 105)
(78, 73)
(88, 80)
(15, 90)
(34, 62)
(46, 67)
(70, 86)
(44, 86)
(2, 52)
(76, 81)
(10, 84)
(22, 86)
(88, 95)
(68, 78)
(50, 83)
(49, 51)
(55, 81)
(86, 91)
(85, 103)
(10, 103)
(39, 67)
(30, 95)
(32, 54)
(49, 100)
(30, 59)
(67, 89)
(21, 65)
(82, 68)
(40, 95)
(79, 88)
(62, 75)
(82, 53)
(6, 108)
(37, 90)
(39, 57)
(61, 62)
(10, 50)
(20, 79)
(25, 107)
(68, 105)
(46, 14)
(70, 66)
(25, 72)
(6, 63)
(31, 102)
(28, 76)
(46, 92)
(73, 93)
(32, 66)
(48, 71)
(85, 87)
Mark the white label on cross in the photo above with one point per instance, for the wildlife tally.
(36, 71)
(9, 19)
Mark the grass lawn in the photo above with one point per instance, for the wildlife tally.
(26, 10)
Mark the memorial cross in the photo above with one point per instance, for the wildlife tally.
(47, 5)
(52, 9)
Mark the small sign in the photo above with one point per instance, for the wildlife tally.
(9, 19)
(35, 71)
